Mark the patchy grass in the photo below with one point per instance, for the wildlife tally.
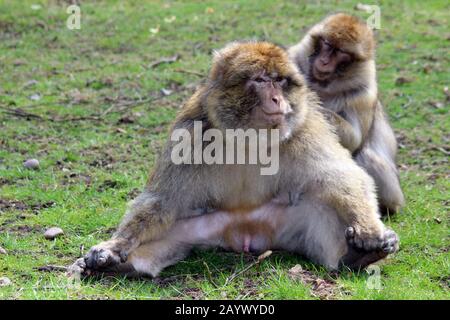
(90, 168)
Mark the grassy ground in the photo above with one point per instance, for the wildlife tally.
(52, 78)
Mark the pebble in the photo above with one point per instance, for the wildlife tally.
(31, 164)
(4, 281)
(52, 233)
(2, 251)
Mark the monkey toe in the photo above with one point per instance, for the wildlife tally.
(77, 269)
(390, 241)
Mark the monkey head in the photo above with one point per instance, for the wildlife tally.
(253, 85)
(341, 44)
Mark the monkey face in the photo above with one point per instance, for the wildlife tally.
(328, 61)
(253, 85)
(272, 107)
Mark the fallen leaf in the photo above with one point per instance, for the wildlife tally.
(163, 60)
(170, 19)
(120, 130)
(363, 7)
(154, 31)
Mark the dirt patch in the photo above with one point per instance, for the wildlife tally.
(4, 181)
(75, 178)
(7, 205)
(110, 184)
(251, 288)
(133, 193)
(325, 289)
(193, 293)
(21, 229)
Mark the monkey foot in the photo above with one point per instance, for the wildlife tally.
(387, 243)
(362, 252)
(79, 269)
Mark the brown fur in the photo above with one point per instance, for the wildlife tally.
(348, 33)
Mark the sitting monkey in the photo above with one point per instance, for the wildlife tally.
(337, 57)
(335, 221)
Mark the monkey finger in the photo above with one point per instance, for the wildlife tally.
(390, 244)
(77, 268)
(349, 232)
(123, 256)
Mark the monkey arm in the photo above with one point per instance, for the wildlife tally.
(345, 187)
(349, 135)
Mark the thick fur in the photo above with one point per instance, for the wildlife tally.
(332, 192)
(352, 104)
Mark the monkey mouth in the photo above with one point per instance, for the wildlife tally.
(273, 118)
(321, 76)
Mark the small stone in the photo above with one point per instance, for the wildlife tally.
(31, 164)
(35, 97)
(166, 92)
(295, 270)
(4, 281)
(52, 233)
(3, 251)
(29, 83)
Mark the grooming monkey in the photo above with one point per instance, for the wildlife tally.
(337, 58)
(334, 223)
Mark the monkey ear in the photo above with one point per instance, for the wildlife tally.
(218, 67)
(221, 60)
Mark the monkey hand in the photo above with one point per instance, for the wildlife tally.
(386, 242)
(101, 257)
(331, 116)
(106, 254)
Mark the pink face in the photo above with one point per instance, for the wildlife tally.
(274, 107)
(327, 60)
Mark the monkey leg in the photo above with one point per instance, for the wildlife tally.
(149, 258)
(202, 231)
(145, 220)
(386, 179)
(317, 232)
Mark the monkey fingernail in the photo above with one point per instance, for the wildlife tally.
(349, 232)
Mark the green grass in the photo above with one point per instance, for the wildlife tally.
(90, 169)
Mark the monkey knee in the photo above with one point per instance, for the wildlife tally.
(145, 266)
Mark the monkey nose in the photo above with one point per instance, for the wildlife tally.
(276, 100)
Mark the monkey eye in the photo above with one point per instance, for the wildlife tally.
(281, 81)
(326, 44)
(259, 79)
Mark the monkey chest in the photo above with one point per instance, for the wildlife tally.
(245, 188)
